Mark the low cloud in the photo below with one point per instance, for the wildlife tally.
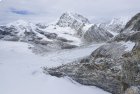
(50, 10)
(20, 12)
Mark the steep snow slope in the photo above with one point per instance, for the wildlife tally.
(21, 71)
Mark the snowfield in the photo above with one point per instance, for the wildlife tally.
(21, 72)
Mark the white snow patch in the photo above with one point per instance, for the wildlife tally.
(64, 32)
(86, 27)
(129, 46)
(113, 33)
(21, 71)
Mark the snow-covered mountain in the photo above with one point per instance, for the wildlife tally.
(70, 31)
(50, 36)
(20, 29)
(116, 24)
(83, 28)
(72, 20)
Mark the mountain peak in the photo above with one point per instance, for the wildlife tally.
(76, 16)
(73, 20)
(119, 20)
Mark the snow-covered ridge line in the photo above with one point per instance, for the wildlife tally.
(69, 31)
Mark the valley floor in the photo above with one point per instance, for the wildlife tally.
(21, 72)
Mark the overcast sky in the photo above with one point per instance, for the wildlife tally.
(49, 10)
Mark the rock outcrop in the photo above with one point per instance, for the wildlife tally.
(97, 34)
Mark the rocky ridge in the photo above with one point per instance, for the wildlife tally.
(113, 67)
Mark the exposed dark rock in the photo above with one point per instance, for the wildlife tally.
(47, 34)
(120, 37)
(68, 46)
(111, 50)
(132, 36)
(51, 35)
(63, 39)
(42, 26)
(135, 37)
(42, 42)
(64, 45)
(10, 38)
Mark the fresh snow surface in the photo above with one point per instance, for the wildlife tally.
(64, 32)
(129, 45)
(21, 71)
(113, 33)
(23, 26)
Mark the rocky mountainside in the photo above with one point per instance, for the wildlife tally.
(97, 34)
(130, 29)
(114, 67)
(133, 24)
